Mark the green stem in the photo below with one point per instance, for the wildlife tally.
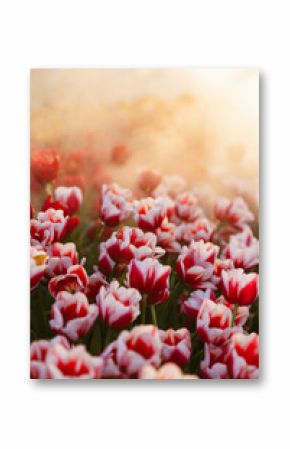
(108, 337)
(143, 310)
(154, 317)
(234, 314)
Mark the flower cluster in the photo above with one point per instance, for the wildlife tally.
(149, 288)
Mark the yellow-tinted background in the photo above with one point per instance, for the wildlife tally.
(201, 124)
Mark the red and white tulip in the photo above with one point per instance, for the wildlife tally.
(239, 287)
(115, 204)
(118, 306)
(137, 348)
(176, 346)
(75, 280)
(213, 323)
(38, 265)
(151, 278)
(195, 265)
(72, 315)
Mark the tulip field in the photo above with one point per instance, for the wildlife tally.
(141, 287)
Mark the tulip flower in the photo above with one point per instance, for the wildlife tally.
(115, 204)
(73, 363)
(169, 371)
(44, 165)
(61, 257)
(195, 265)
(243, 359)
(186, 207)
(150, 278)
(38, 354)
(138, 347)
(111, 370)
(213, 323)
(176, 346)
(49, 226)
(148, 180)
(38, 265)
(95, 281)
(243, 255)
(69, 197)
(239, 287)
(75, 279)
(191, 303)
(214, 364)
(118, 306)
(201, 229)
(167, 237)
(72, 315)
(235, 212)
(124, 245)
(149, 213)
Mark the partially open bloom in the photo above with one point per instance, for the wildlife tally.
(75, 280)
(219, 266)
(124, 245)
(168, 371)
(72, 315)
(95, 281)
(201, 229)
(239, 287)
(140, 346)
(214, 364)
(71, 363)
(149, 213)
(150, 278)
(70, 197)
(50, 226)
(186, 207)
(44, 165)
(38, 354)
(191, 303)
(214, 322)
(176, 346)
(38, 265)
(166, 236)
(243, 250)
(120, 154)
(235, 212)
(61, 257)
(118, 306)
(111, 369)
(243, 359)
(148, 180)
(115, 204)
(195, 264)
